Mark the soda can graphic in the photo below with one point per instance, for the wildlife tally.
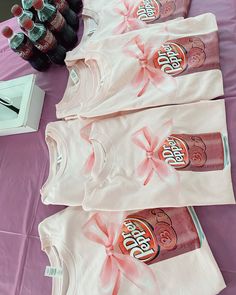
(153, 235)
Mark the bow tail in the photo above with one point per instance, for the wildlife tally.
(89, 163)
(138, 273)
(138, 78)
(162, 80)
(144, 88)
(146, 167)
(167, 173)
(156, 76)
(117, 284)
(146, 181)
(162, 168)
(110, 276)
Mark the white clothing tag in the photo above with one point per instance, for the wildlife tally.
(53, 272)
(74, 76)
(91, 32)
(59, 159)
(92, 25)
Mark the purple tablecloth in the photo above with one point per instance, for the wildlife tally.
(24, 168)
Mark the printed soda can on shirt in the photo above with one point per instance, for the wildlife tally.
(171, 59)
(168, 8)
(188, 55)
(199, 152)
(148, 10)
(153, 235)
(152, 10)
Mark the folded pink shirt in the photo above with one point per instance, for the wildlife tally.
(173, 155)
(103, 19)
(152, 252)
(163, 64)
(151, 158)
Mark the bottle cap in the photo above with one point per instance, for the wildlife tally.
(7, 32)
(16, 10)
(28, 24)
(27, 4)
(38, 4)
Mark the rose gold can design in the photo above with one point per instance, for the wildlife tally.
(188, 55)
(152, 11)
(148, 10)
(194, 152)
(153, 235)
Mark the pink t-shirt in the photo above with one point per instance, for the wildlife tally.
(173, 155)
(151, 158)
(163, 64)
(104, 19)
(79, 261)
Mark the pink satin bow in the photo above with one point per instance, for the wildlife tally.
(150, 144)
(130, 22)
(104, 229)
(147, 72)
(84, 133)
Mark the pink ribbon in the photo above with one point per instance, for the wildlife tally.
(130, 22)
(104, 229)
(84, 133)
(88, 166)
(150, 144)
(147, 72)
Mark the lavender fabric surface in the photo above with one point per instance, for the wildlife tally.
(24, 168)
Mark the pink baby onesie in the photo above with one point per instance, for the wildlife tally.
(172, 63)
(68, 152)
(103, 19)
(173, 155)
(113, 253)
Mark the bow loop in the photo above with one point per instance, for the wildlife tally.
(149, 143)
(145, 140)
(147, 72)
(104, 229)
(130, 21)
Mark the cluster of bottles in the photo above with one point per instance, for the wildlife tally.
(51, 27)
